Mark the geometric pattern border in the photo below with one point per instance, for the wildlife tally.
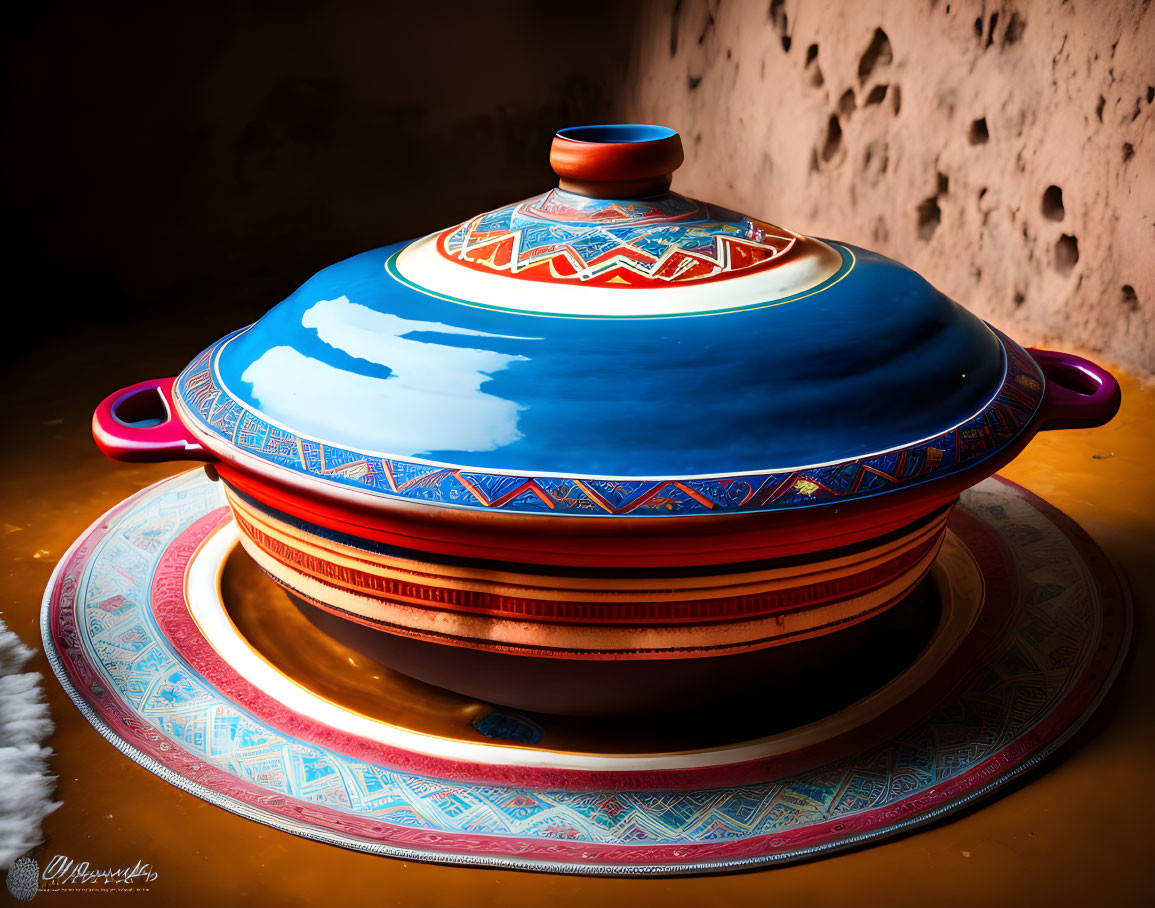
(669, 239)
(1027, 688)
(961, 447)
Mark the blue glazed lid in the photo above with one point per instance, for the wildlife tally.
(591, 353)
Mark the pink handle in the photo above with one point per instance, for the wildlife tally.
(1079, 394)
(139, 424)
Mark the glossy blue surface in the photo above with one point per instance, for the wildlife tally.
(875, 361)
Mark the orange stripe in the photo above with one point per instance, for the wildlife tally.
(634, 652)
(697, 496)
(593, 496)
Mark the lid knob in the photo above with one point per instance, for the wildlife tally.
(616, 161)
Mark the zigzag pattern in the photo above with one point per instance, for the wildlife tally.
(954, 450)
(561, 237)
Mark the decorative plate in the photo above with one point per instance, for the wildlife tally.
(1032, 627)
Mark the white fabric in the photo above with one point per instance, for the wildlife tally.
(25, 785)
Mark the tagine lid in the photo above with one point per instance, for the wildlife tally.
(611, 347)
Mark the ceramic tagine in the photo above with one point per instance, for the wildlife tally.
(606, 449)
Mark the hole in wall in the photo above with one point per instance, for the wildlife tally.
(812, 66)
(1150, 93)
(1019, 298)
(929, 216)
(979, 28)
(991, 29)
(943, 184)
(1053, 204)
(1066, 254)
(786, 43)
(978, 133)
(1099, 108)
(1015, 29)
(833, 138)
(1130, 298)
(846, 104)
(693, 82)
(1128, 152)
(877, 94)
(897, 96)
(878, 53)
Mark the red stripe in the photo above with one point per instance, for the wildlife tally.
(662, 612)
(621, 542)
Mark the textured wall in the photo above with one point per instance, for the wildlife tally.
(1004, 150)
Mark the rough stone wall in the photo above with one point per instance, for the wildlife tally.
(1003, 150)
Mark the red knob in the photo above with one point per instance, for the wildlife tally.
(616, 161)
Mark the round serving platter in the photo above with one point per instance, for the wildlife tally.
(194, 664)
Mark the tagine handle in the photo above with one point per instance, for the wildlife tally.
(139, 424)
(1079, 393)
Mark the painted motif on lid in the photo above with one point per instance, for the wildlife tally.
(667, 240)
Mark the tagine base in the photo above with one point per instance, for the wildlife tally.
(184, 658)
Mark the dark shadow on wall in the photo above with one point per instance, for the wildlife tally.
(207, 158)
